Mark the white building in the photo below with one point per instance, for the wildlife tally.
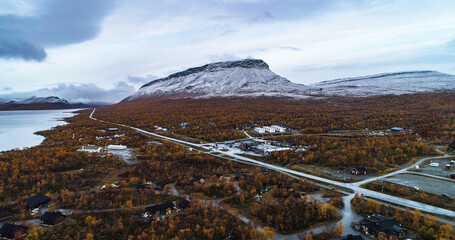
(269, 129)
(90, 149)
(116, 147)
(279, 128)
(259, 130)
(268, 151)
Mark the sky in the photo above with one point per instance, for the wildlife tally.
(104, 50)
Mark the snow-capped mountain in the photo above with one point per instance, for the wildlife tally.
(248, 77)
(40, 103)
(51, 99)
(388, 83)
(253, 78)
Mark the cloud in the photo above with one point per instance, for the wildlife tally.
(291, 48)
(266, 16)
(17, 48)
(54, 23)
(223, 58)
(337, 38)
(141, 80)
(86, 93)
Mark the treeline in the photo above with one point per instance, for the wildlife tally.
(200, 223)
(293, 214)
(429, 114)
(109, 198)
(278, 208)
(42, 169)
(375, 153)
(280, 185)
(412, 194)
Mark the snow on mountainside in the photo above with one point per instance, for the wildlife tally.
(40, 103)
(248, 77)
(253, 78)
(51, 99)
(388, 83)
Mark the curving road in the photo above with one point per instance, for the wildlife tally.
(353, 186)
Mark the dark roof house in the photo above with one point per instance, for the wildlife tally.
(52, 218)
(159, 185)
(375, 224)
(12, 231)
(297, 195)
(36, 201)
(237, 176)
(452, 146)
(218, 175)
(5, 214)
(248, 145)
(161, 208)
(183, 203)
(198, 178)
(350, 237)
(359, 171)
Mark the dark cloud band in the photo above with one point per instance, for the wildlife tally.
(56, 23)
(16, 48)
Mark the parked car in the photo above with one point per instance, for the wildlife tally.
(452, 162)
(452, 175)
(434, 164)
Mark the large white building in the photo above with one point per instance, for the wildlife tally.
(269, 129)
(259, 130)
(90, 149)
(269, 151)
(279, 128)
(116, 147)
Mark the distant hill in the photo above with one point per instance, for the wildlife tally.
(40, 103)
(388, 83)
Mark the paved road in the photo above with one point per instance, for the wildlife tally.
(248, 135)
(354, 186)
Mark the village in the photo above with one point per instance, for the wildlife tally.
(183, 196)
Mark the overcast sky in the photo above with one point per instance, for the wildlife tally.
(102, 50)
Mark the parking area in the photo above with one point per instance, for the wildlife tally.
(437, 170)
(425, 184)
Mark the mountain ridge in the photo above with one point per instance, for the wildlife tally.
(249, 77)
(40, 103)
(253, 78)
(395, 83)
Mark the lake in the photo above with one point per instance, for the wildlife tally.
(17, 128)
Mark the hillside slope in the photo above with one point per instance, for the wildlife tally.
(248, 78)
(388, 83)
(40, 103)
